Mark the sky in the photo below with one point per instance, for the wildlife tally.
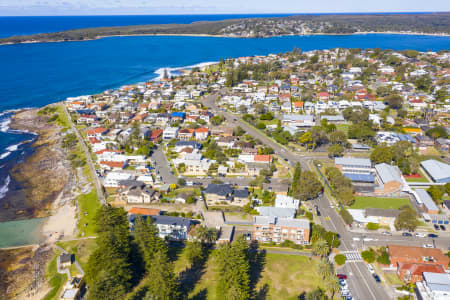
(152, 7)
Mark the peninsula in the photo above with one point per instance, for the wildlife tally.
(425, 23)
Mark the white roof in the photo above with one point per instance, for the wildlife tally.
(438, 170)
(360, 217)
(388, 173)
(353, 161)
(425, 198)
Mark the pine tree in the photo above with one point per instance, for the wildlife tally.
(162, 284)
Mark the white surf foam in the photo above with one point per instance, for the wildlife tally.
(4, 188)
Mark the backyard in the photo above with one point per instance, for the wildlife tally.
(362, 202)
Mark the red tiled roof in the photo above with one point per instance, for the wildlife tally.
(418, 269)
(112, 164)
(263, 158)
(145, 211)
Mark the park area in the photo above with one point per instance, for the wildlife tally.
(283, 277)
(362, 202)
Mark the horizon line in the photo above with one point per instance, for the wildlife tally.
(231, 14)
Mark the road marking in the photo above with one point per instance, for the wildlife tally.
(365, 281)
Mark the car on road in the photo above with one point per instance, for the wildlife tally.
(341, 276)
(433, 236)
(331, 205)
(406, 234)
(442, 227)
(428, 246)
(420, 234)
(189, 183)
(376, 277)
(436, 227)
(386, 233)
(356, 239)
(370, 268)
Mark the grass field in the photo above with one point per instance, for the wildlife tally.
(375, 202)
(81, 248)
(88, 204)
(56, 280)
(421, 179)
(284, 277)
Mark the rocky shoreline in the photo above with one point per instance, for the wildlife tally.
(44, 186)
(42, 175)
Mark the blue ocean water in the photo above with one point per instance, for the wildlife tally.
(33, 75)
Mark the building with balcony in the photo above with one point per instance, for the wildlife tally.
(272, 229)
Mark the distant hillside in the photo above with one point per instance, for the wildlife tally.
(432, 23)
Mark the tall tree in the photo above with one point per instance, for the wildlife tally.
(234, 278)
(162, 284)
(109, 271)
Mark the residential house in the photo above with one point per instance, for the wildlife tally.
(171, 228)
(216, 194)
(240, 197)
(201, 133)
(413, 272)
(170, 133)
(283, 201)
(435, 286)
(408, 254)
(139, 193)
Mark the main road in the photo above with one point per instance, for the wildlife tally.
(87, 153)
(362, 284)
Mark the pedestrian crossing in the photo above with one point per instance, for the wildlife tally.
(353, 256)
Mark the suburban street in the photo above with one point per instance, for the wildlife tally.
(98, 185)
(362, 284)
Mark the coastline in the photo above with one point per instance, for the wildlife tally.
(233, 37)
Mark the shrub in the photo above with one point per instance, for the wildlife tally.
(384, 258)
(368, 256)
(346, 216)
(372, 226)
(340, 259)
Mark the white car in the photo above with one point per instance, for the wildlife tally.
(386, 233)
(370, 268)
(331, 205)
(419, 234)
(428, 246)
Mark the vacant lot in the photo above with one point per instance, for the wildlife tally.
(284, 277)
(375, 202)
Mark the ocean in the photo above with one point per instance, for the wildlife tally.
(33, 75)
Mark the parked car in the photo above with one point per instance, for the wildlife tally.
(428, 246)
(371, 270)
(377, 278)
(386, 233)
(419, 234)
(432, 235)
(406, 234)
(436, 227)
(341, 276)
(442, 227)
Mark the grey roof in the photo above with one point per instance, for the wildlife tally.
(218, 189)
(353, 161)
(379, 212)
(333, 118)
(438, 170)
(388, 173)
(270, 211)
(426, 199)
(70, 293)
(266, 220)
(241, 193)
(446, 203)
(292, 117)
(361, 146)
(437, 281)
(169, 220)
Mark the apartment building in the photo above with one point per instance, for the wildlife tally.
(278, 230)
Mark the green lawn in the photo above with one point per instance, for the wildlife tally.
(56, 280)
(287, 276)
(375, 202)
(421, 179)
(88, 204)
(81, 248)
(342, 127)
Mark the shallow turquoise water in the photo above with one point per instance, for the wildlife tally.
(19, 233)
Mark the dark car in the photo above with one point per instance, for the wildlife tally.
(406, 234)
(376, 277)
(436, 227)
(341, 276)
(432, 235)
(442, 227)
